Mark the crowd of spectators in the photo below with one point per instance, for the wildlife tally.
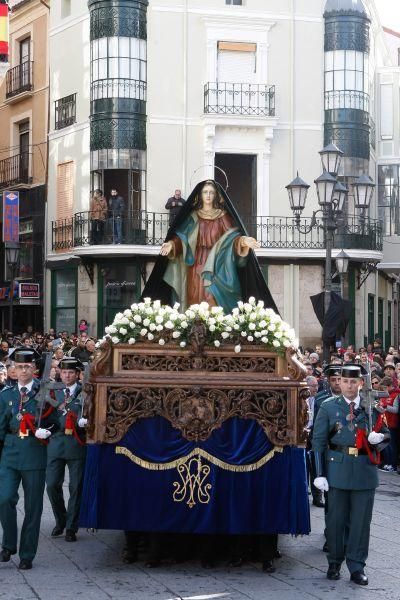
(60, 344)
(384, 367)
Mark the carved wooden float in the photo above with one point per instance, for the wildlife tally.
(196, 389)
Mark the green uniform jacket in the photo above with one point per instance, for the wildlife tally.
(28, 453)
(343, 471)
(62, 445)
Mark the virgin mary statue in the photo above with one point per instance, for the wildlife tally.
(207, 256)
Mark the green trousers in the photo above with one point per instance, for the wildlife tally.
(348, 523)
(33, 483)
(65, 517)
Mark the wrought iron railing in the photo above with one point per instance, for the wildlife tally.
(19, 79)
(118, 88)
(150, 228)
(14, 170)
(65, 111)
(346, 99)
(239, 99)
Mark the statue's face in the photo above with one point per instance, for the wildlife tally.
(208, 196)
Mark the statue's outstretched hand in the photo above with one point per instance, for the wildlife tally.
(166, 248)
(249, 242)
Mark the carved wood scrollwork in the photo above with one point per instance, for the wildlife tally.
(197, 412)
(219, 364)
(302, 415)
(296, 369)
(102, 364)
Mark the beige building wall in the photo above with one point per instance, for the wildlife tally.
(29, 20)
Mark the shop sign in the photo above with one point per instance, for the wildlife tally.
(10, 216)
(29, 290)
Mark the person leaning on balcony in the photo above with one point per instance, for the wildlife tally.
(98, 216)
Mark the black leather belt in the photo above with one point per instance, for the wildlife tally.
(350, 450)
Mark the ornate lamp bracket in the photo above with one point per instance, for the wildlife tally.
(365, 271)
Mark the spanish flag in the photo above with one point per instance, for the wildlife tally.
(3, 30)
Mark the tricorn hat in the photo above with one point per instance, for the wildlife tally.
(24, 356)
(333, 370)
(70, 363)
(353, 371)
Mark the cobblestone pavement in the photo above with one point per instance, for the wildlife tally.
(92, 569)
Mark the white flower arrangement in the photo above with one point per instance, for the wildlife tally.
(248, 323)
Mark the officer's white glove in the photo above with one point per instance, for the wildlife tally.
(42, 434)
(82, 422)
(375, 438)
(321, 483)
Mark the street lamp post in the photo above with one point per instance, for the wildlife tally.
(331, 196)
(12, 258)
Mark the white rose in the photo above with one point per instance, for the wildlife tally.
(243, 333)
(143, 332)
(257, 334)
(134, 306)
(146, 322)
(159, 319)
(112, 329)
(115, 340)
(123, 331)
(152, 327)
(131, 341)
(184, 324)
(238, 348)
(241, 319)
(271, 327)
(190, 314)
(252, 300)
(182, 344)
(156, 304)
(137, 319)
(260, 304)
(264, 340)
(125, 321)
(107, 329)
(252, 326)
(149, 311)
(118, 316)
(176, 306)
(169, 325)
(211, 321)
(248, 308)
(132, 325)
(228, 328)
(161, 342)
(235, 312)
(150, 336)
(159, 327)
(276, 343)
(225, 335)
(278, 334)
(250, 338)
(147, 300)
(217, 343)
(240, 304)
(212, 328)
(236, 327)
(263, 324)
(176, 334)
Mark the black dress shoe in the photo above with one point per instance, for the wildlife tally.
(325, 547)
(333, 572)
(5, 555)
(268, 566)
(278, 554)
(318, 502)
(70, 536)
(25, 564)
(57, 531)
(153, 564)
(359, 577)
(207, 564)
(235, 562)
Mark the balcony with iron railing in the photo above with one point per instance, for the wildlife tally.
(239, 99)
(15, 170)
(150, 229)
(65, 111)
(19, 79)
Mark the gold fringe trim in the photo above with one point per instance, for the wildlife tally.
(198, 452)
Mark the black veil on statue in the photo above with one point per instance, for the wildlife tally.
(252, 281)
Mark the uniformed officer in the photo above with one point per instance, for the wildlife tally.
(67, 448)
(345, 456)
(23, 459)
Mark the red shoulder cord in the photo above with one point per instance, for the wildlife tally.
(362, 441)
(70, 423)
(27, 423)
